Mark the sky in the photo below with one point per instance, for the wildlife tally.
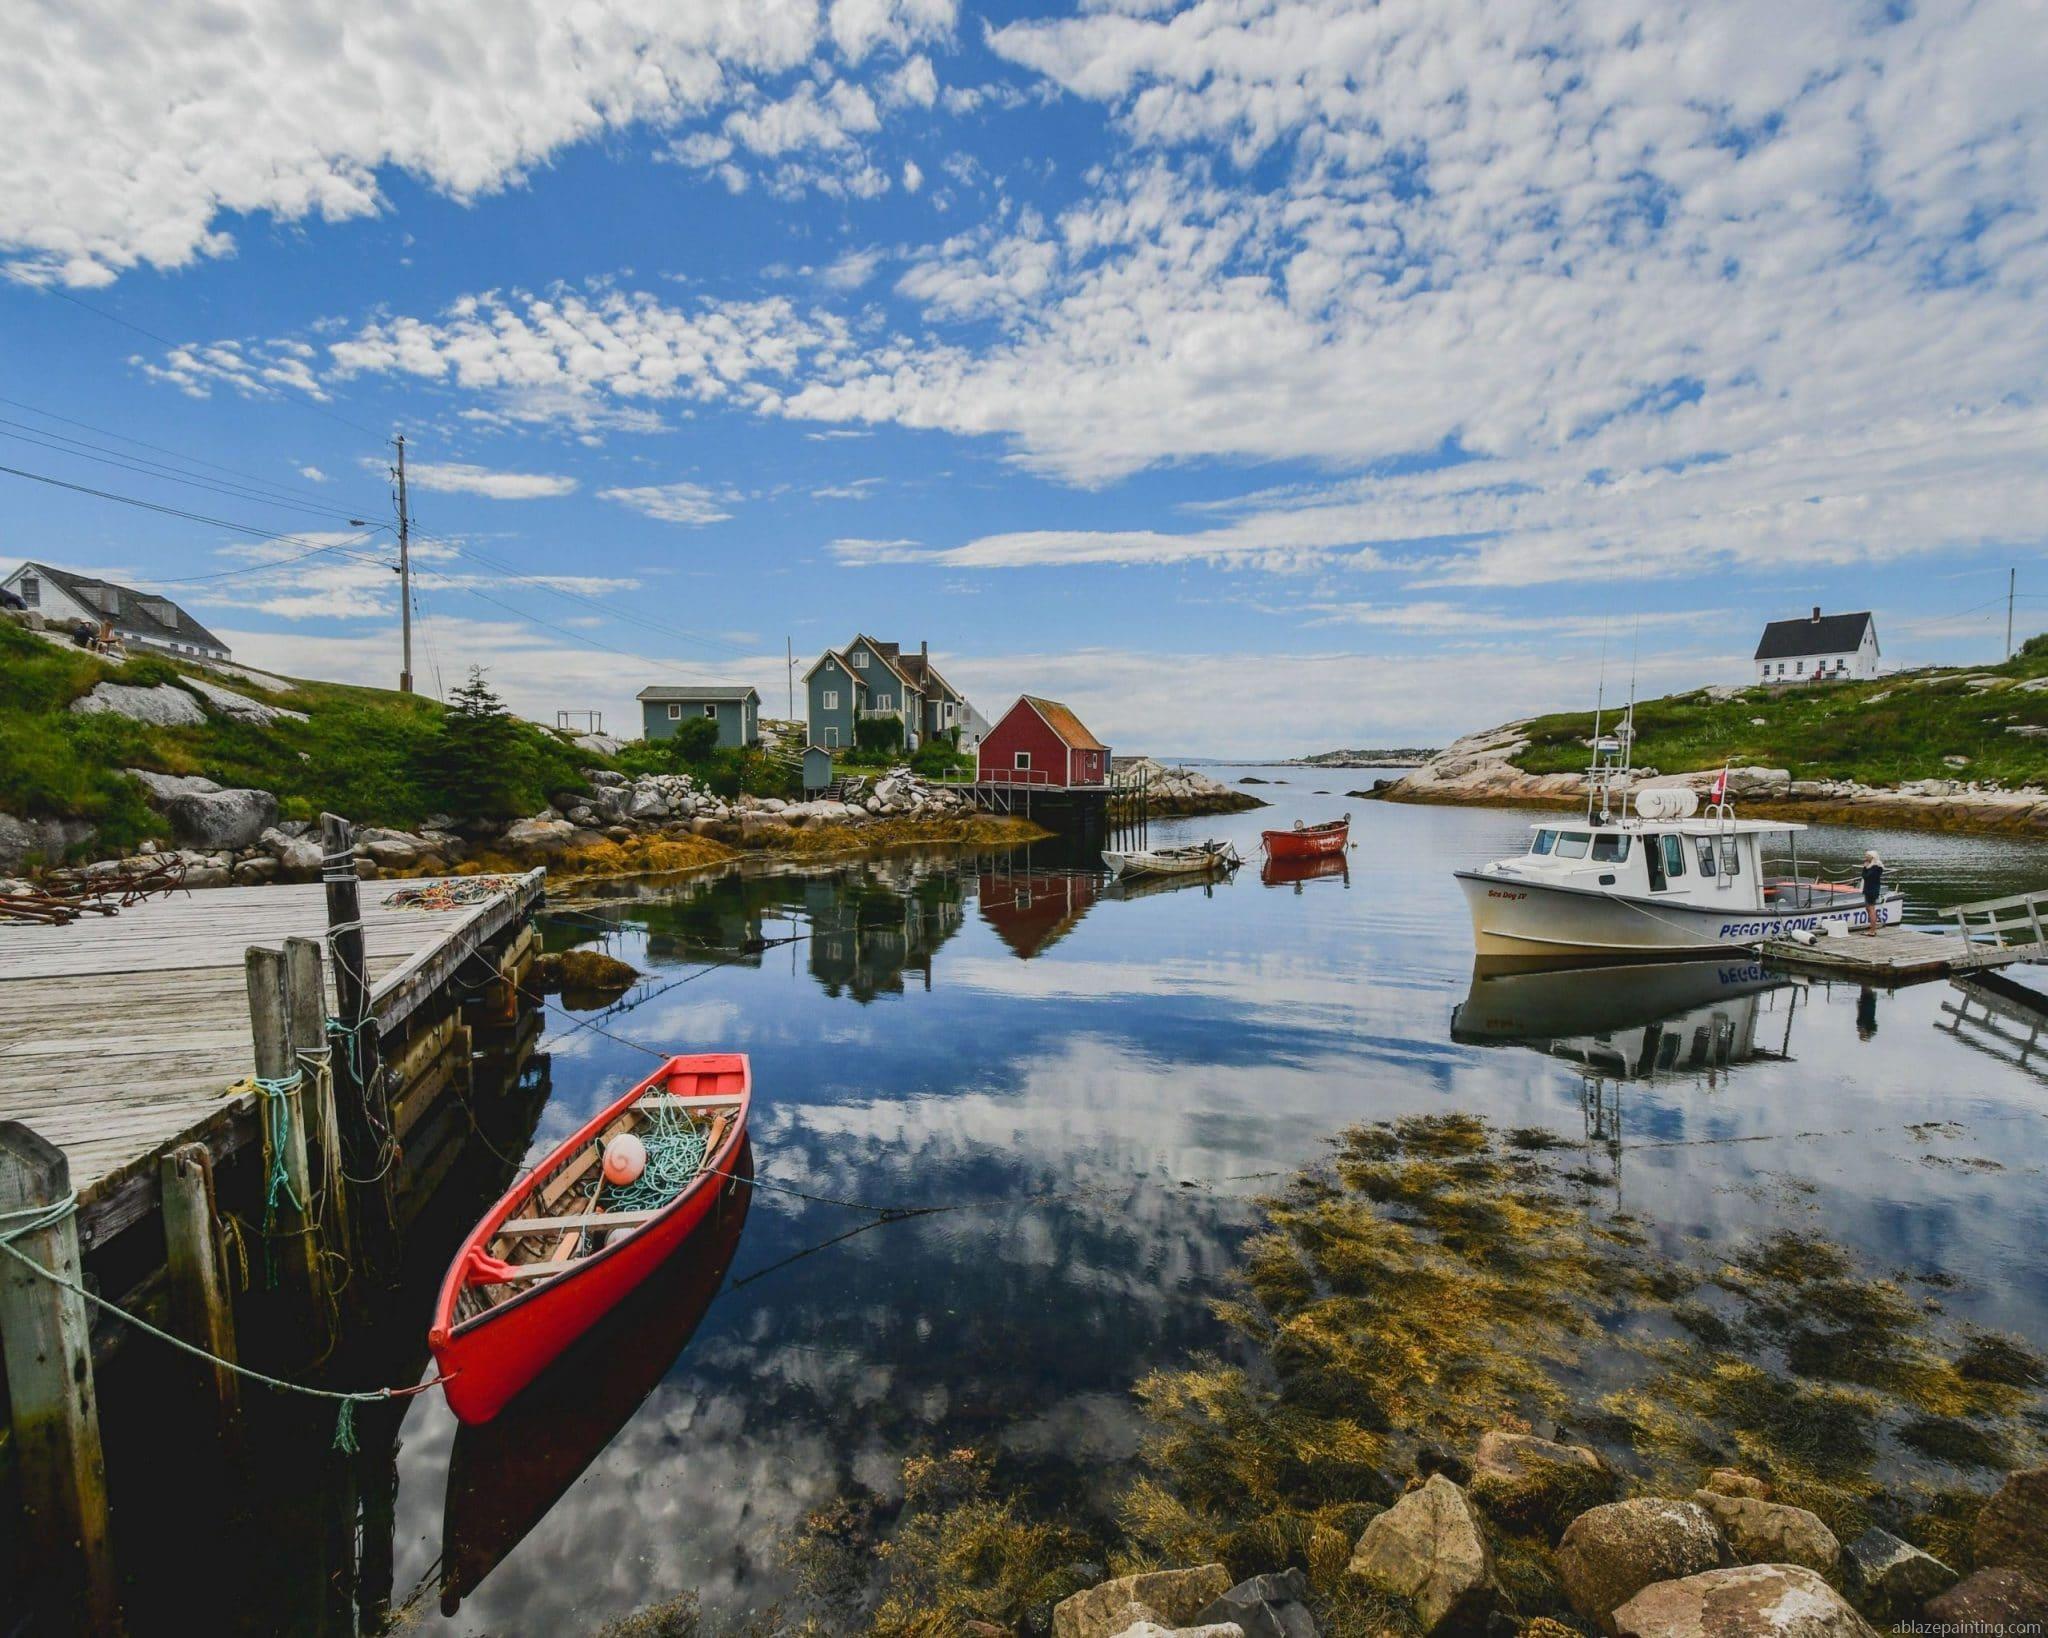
(1259, 377)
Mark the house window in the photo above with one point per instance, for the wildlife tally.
(860, 658)
(711, 711)
(1023, 759)
(675, 713)
(1799, 667)
(829, 700)
(31, 591)
(885, 702)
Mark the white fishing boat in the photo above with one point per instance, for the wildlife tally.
(1667, 879)
(1198, 858)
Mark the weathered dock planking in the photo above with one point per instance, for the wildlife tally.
(126, 1047)
(120, 1037)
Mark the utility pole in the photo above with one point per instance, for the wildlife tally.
(404, 574)
(2012, 577)
(789, 671)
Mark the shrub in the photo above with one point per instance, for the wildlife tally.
(883, 734)
(937, 759)
(480, 766)
(694, 740)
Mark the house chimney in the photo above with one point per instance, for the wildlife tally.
(924, 651)
(1816, 612)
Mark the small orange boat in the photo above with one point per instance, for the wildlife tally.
(549, 1260)
(1308, 841)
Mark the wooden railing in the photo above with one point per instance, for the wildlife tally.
(2008, 921)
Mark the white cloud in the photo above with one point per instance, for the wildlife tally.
(913, 177)
(314, 473)
(915, 82)
(690, 503)
(852, 269)
(134, 130)
(459, 477)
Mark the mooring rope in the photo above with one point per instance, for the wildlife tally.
(44, 1217)
(277, 1094)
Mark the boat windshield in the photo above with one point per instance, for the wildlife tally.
(1572, 844)
(1545, 841)
(1611, 847)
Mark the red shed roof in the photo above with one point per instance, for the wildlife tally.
(1063, 722)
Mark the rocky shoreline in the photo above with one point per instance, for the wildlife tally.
(1479, 771)
(618, 825)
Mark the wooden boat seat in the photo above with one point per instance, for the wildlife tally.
(604, 1220)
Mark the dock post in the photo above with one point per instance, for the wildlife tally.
(305, 987)
(284, 1130)
(362, 1113)
(192, 1263)
(54, 1401)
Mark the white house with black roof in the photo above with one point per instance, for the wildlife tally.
(139, 619)
(1819, 648)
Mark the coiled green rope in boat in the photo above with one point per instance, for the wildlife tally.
(676, 1151)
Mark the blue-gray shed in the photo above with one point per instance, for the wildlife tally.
(737, 711)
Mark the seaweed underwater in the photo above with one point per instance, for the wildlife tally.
(1435, 1279)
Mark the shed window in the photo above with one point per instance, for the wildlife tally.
(711, 711)
(1610, 848)
(829, 700)
(1023, 759)
(675, 711)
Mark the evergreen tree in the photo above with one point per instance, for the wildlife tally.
(480, 760)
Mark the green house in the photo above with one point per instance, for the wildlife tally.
(737, 711)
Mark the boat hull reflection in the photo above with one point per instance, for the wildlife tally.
(506, 1474)
(1633, 1020)
(1280, 871)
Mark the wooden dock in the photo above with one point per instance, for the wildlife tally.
(277, 1075)
(121, 1037)
(1987, 934)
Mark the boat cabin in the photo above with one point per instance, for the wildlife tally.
(1715, 863)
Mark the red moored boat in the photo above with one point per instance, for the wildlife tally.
(1308, 841)
(548, 1260)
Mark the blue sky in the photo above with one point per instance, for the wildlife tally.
(1257, 376)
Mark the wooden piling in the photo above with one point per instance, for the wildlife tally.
(284, 1132)
(47, 1341)
(361, 1109)
(200, 1310)
(305, 986)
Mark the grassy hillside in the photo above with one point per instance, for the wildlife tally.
(1881, 733)
(374, 755)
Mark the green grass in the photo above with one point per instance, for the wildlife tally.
(1881, 733)
(364, 752)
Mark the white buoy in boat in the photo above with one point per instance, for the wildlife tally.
(625, 1158)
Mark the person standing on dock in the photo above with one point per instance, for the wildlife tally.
(1873, 888)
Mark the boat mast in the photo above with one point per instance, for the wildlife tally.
(1593, 782)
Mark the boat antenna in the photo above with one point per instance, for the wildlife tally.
(1628, 737)
(1599, 707)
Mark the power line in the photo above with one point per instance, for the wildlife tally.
(80, 449)
(161, 449)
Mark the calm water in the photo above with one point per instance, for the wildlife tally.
(1115, 1078)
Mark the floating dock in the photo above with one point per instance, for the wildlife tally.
(204, 1081)
(1987, 934)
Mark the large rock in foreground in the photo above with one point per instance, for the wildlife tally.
(1888, 1579)
(1532, 1483)
(1747, 1601)
(1429, 1549)
(1767, 1532)
(1266, 1606)
(2012, 1531)
(159, 707)
(219, 819)
(1171, 1597)
(1995, 1600)
(1612, 1553)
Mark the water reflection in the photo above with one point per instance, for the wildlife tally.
(1294, 872)
(1105, 1083)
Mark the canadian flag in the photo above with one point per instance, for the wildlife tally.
(1720, 793)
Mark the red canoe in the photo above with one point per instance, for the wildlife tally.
(1308, 841)
(546, 1262)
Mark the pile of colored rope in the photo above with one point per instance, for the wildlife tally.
(675, 1155)
(456, 893)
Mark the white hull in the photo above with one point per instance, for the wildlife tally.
(1515, 916)
(1121, 865)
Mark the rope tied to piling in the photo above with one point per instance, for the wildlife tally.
(40, 1218)
(277, 1093)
